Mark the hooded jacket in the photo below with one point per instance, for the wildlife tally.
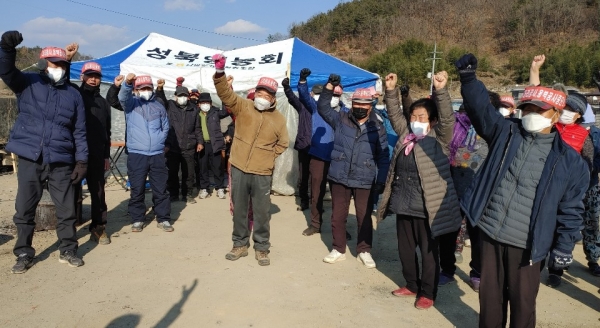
(146, 121)
(556, 216)
(260, 136)
(51, 121)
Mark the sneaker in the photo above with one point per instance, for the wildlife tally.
(594, 269)
(166, 226)
(70, 257)
(474, 283)
(334, 256)
(403, 292)
(553, 280)
(98, 234)
(189, 199)
(221, 193)
(203, 194)
(262, 257)
(310, 231)
(137, 227)
(445, 280)
(24, 262)
(236, 252)
(459, 257)
(366, 259)
(423, 303)
(303, 206)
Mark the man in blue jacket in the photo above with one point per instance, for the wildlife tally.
(49, 136)
(526, 198)
(321, 145)
(147, 129)
(360, 150)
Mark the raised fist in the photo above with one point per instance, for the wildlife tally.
(10, 40)
(466, 62)
(334, 79)
(160, 83)
(537, 62)
(404, 90)
(118, 80)
(440, 79)
(230, 80)
(304, 73)
(220, 61)
(390, 81)
(285, 83)
(71, 50)
(130, 78)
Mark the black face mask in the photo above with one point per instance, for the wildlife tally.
(359, 113)
(194, 101)
(90, 88)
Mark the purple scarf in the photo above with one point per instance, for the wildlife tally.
(461, 131)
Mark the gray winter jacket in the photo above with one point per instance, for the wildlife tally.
(431, 154)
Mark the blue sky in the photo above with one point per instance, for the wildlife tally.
(99, 32)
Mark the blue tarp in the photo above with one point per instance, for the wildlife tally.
(110, 64)
(322, 65)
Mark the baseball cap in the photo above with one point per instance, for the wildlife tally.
(362, 96)
(143, 81)
(268, 84)
(181, 91)
(508, 101)
(91, 68)
(205, 97)
(544, 98)
(54, 54)
(338, 90)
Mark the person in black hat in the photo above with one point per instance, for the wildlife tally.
(184, 141)
(214, 142)
(49, 136)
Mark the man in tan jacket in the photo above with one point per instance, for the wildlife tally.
(260, 136)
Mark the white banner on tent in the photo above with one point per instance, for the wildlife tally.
(166, 58)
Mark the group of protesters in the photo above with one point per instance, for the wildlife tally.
(523, 190)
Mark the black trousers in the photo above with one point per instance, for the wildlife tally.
(413, 232)
(185, 161)
(447, 245)
(318, 181)
(475, 263)
(507, 278)
(303, 176)
(257, 187)
(208, 160)
(30, 180)
(138, 168)
(96, 182)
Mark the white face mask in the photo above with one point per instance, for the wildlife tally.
(419, 129)
(261, 103)
(535, 122)
(335, 101)
(205, 107)
(380, 107)
(567, 117)
(504, 111)
(182, 100)
(146, 95)
(55, 74)
(316, 97)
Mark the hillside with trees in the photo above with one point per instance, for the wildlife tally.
(398, 35)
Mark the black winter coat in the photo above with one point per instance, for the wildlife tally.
(184, 131)
(97, 121)
(213, 123)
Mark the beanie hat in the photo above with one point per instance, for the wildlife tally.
(577, 104)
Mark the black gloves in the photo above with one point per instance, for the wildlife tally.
(304, 73)
(334, 79)
(285, 82)
(559, 259)
(79, 172)
(466, 66)
(379, 187)
(10, 40)
(404, 90)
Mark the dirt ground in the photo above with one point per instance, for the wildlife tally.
(181, 279)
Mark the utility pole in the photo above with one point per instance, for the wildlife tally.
(432, 73)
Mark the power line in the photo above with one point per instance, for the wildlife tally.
(164, 23)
